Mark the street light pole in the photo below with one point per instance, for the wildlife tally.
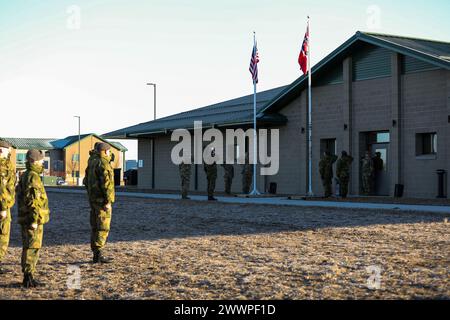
(79, 149)
(154, 99)
(153, 140)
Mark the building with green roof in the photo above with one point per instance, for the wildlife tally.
(61, 155)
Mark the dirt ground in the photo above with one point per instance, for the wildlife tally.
(167, 249)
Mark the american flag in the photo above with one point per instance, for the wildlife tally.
(303, 57)
(254, 64)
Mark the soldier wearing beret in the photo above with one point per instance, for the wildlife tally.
(33, 214)
(100, 187)
(7, 197)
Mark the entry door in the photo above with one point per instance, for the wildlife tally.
(381, 177)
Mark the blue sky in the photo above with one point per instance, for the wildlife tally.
(196, 51)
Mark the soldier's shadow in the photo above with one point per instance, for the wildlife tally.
(15, 285)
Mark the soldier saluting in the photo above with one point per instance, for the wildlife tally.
(100, 187)
(7, 194)
(33, 214)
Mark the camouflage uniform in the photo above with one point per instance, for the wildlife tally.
(343, 173)
(228, 176)
(367, 175)
(7, 195)
(100, 187)
(185, 174)
(326, 173)
(211, 176)
(33, 208)
(247, 175)
(93, 156)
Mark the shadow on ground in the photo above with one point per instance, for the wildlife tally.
(137, 219)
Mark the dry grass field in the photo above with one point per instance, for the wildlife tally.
(167, 249)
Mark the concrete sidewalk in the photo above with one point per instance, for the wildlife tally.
(280, 201)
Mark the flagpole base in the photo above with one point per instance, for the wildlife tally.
(255, 192)
(310, 194)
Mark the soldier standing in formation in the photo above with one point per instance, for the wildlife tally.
(228, 176)
(185, 174)
(33, 214)
(100, 188)
(211, 176)
(326, 172)
(247, 175)
(7, 198)
(367, 174)
(343, 166)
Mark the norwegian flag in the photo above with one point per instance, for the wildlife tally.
(303, 57)
(254, 64)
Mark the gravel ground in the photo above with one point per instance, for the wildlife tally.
(167, 249)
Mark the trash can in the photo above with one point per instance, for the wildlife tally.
(398, 192)
(441, 183)
(273, 188)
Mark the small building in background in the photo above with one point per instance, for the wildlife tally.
(62, 159)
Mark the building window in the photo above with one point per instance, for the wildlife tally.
(426, 144)
(75, 157)
(21, 158)
(327, 145)
(379, 137)
(58, 165)
(75, 174)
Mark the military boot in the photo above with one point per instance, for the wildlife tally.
(100, 258)
(28, 280)
(36, 283)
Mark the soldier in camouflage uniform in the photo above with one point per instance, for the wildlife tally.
(367, 174)
(185, 175)
(326, 172)
(211, 176)
(228, 176)
(100, 188)
(343, 166)
(33, 214)
(7, 195)
(247, 175)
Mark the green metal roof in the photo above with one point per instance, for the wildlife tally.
(436, 53)
(118, 145)
(64, 143)
(229, 113)
(30, 143)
